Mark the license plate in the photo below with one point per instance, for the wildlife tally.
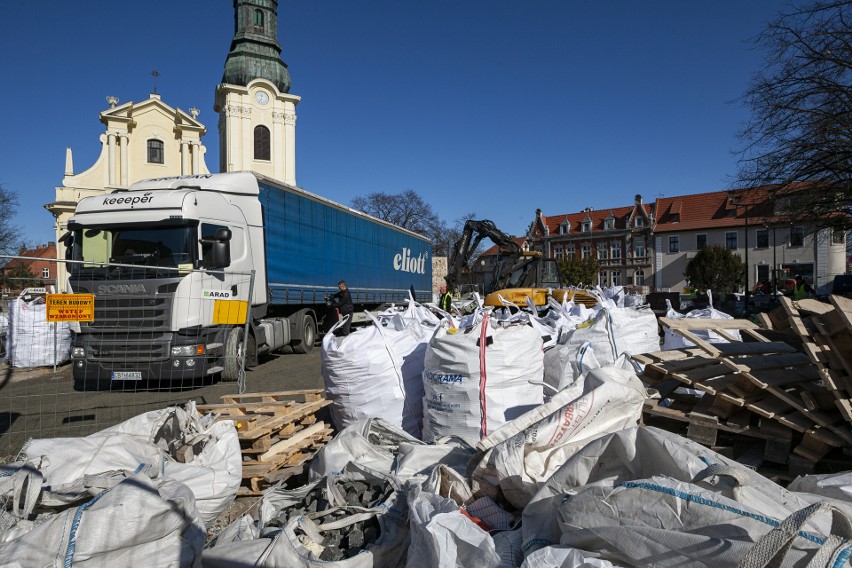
(127, 375)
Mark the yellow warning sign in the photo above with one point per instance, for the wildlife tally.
(70, 307)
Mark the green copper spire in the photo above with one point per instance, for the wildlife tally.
(255, 51)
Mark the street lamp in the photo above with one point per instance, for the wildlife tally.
(774, 261)
(736, 202)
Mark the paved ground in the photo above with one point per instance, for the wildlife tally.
(38, 403)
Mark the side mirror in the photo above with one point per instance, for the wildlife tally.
(222, 234)
(221, 253)
(68, 240)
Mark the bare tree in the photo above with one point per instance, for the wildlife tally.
(10, 234)
(407, 210)
(799, 138)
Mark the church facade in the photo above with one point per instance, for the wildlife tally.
(150, 139)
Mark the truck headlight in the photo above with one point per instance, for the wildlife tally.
(78, 352)
(183, 351)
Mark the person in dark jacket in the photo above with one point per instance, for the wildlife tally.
(342, 300)
(446, 301)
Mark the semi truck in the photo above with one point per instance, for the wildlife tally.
(181, 267)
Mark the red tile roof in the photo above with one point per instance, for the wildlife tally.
(41, 251)
(710, 210)
(621, 215)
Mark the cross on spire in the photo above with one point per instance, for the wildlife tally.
(155, 74)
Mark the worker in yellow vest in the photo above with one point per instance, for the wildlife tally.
(446, 301)
(802, 289)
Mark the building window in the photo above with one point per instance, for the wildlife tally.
(616, 277)
(601, 251)
(258, 19)
(731, 240)
(675, 217)
(639, 248)
(838, 236)
(45, 273)
(762, 238)
(797, 236)
(609, 224)
(639, 222)
(602, 278)
(587, 227)
(763, 273)
(261, 143)
(700, 241)
(616, 249)
(557, 252)
(674, 244)
(155, 151)
(639, 277)
(569, 251)
(563, 229)
(587, 250)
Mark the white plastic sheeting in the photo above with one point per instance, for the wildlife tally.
(477, 379)
(33, 342)
(213, 474)
(376, 371)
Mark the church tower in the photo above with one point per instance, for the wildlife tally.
(257, 113)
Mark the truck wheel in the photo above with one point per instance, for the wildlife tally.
(234, 354)
(309, 335)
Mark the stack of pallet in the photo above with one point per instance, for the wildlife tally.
(278, 433)
(781, 406)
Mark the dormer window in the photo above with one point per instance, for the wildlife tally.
(587, 226)
(609, 223)
(675, 217)
(639, 222)
(563, 228)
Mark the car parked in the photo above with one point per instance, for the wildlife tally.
(842, 285)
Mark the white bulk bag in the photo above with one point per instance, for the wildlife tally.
(564, 557)
(372, 443)
(524, 453)
(136, 523)
(382, 447)
(672, 340)
(626, 455)
(565, 363)
(442, 537)
(31, 340)
(833, 485)
(376, 371)
(213, 475)
(661, 521)
(479, 378)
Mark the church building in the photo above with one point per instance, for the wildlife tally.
(150, 139)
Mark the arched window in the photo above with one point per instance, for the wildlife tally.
(155, 151)
(261, 143)
(640, 277)
(258, 19)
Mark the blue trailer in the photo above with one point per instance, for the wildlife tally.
(184, 311)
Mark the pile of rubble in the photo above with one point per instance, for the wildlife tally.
(464, 463)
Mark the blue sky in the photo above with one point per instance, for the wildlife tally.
(496, 107)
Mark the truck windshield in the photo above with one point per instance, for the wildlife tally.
(166, 247)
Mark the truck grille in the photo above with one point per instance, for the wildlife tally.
(129, 330)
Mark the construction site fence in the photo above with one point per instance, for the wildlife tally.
(134, 309)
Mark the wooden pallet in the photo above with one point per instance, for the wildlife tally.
(825, 331)
(278, 433)
(747, 384)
